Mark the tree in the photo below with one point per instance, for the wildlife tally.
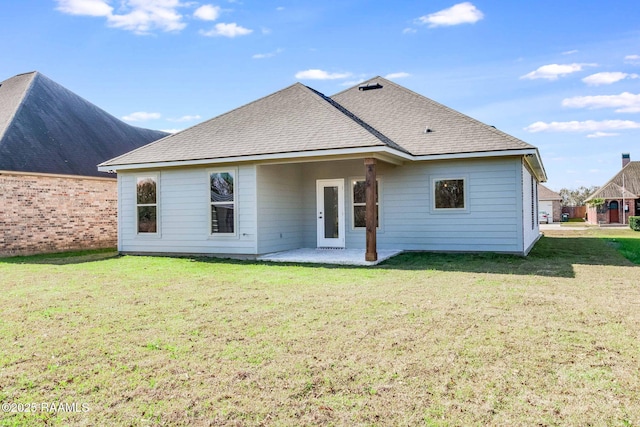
(571, 197)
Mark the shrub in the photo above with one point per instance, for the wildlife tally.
(634, 223)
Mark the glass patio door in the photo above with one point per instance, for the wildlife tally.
(330, 213)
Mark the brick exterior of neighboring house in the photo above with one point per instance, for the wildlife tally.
(621, 195)
(42, 213)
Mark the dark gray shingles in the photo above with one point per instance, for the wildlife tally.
(12, 92)
(52, 130)
(294, 119)
(404, 116)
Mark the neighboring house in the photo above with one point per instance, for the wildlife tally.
(299, 169)
(550, 202)
(621, 196)
(52, 197)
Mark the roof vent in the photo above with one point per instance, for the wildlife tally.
(370, 86)
(428, 130)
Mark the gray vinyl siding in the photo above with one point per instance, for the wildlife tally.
(279, 207)
(276, 208)
(345, 170)
(491, 221)
(183, 214)
(531, 229)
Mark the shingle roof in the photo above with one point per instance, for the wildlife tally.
(12, 91)
(546, 194)
(45, 127)
(294, 119)
(404, 116)
(298, 119)
(628, 178)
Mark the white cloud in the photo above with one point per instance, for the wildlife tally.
(409, 31)
(632, 59)
(139, 16)
(186, 118)
(141, 116)
(570, 52)
(85, 7)
(267, 55)
(461, 13)
(207, 12)
(171, 130)
(586, 126)
(553, 71)
(625, 102)
(598, 79)
(145, 16)
(602, 134)
(399, 75)
(315, 74)
(226, 30)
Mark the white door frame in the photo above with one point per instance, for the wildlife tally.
(323, 241)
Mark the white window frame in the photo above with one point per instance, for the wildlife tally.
(352, 203)
(233, 172)
(156, 177)
(464, 179)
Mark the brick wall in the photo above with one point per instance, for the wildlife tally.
(42, 213)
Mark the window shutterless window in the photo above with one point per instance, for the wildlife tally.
(223, 202)
(359, 203)
(147, 204)
(449, 193)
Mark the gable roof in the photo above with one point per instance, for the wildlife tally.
(545, 193)
(404, 116)
(294, 119)
(628, 179)
(299, 119)
(46, 128)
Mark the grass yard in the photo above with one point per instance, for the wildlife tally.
(423, 339)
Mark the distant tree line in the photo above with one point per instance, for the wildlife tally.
(576, 197)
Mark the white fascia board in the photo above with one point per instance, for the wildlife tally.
(475, 155)
(535, 162)
(383, 153)
(380, 151)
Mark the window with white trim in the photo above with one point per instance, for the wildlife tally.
(359, 205)
(147, 204)
(449, 194)
(223, 202)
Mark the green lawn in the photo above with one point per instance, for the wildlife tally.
(423, 339)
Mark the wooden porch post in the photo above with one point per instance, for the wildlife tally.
(370, 209)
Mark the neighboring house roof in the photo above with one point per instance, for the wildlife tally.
(299, 119)
(628, 179)
(546, 194)
(46, 128)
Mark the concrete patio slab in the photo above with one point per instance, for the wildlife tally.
(327, 256)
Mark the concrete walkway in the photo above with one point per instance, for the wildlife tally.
(578, 226)
(327, 256)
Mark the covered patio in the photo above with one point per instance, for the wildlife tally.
(329, 256)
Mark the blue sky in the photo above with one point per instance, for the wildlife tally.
(561, 75)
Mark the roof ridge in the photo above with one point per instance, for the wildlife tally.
(23, 96)
(366, 126)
